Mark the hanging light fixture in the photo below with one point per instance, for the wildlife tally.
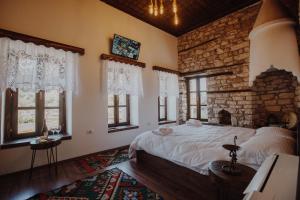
(175, 10)
(174, 6)
(161, 7)
(151, 7)
(155, 9)
(176, 20)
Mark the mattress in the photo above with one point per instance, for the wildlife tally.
(192, 147)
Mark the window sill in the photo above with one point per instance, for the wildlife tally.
(166, 122)
(26, 141)
(121, 128)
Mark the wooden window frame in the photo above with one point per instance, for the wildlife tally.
(116, 107)
(166, 109)
(11, 115)
(198, 98)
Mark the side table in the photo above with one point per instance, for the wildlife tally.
(230, 186)
(48, 145)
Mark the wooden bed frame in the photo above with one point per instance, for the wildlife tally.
(198, 184)
(183, 177)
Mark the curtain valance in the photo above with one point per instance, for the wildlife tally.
(168, 84)
(123, 78)
(32, 67)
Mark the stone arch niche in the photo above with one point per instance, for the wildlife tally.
(275, 93)
(224, 117)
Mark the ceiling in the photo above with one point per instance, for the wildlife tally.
(192, 13)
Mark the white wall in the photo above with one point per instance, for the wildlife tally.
(273, 41)
(89, 24)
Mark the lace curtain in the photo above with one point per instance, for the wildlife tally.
(32, 68)
(123, 78)
(168, 84)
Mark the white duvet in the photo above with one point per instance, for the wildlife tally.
(191, 147)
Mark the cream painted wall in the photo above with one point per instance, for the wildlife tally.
(88, 24)
(274, 43)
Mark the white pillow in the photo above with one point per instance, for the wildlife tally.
(275, 131)
(259, 147)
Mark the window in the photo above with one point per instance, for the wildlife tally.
(118, 110)
(162, 108)
(26, 111)
(197, 98)
(167, 100)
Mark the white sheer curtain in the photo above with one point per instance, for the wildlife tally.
(168, 84)
(123, 78)
(32, 68)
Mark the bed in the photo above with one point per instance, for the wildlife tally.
(183, 156)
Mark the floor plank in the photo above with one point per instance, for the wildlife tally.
(19, 186)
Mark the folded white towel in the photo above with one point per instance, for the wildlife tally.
(194, 122)
(163, 131)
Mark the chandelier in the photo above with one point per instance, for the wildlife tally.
(156, 7)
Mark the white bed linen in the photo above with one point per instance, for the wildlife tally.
(267, 141)
(191, 147)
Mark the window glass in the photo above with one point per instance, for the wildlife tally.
(162, 113)
(202, 83)
(198, 98)
(122, 114)
(29, 114)
(111, 118)
(122, 100)
(162, 101)
(52, 118)
(203, 98)
(193, 98)
(26, 99)
(192, 85)
(52, 98)
(26, 121)
(118, 113)
(193, 111)
(204, 112)
(110, 101)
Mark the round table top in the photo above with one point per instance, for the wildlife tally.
(51, 142)
(246, 175)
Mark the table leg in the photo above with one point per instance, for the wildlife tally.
(56, 159)
(49, 161)
(32, 162)
(52, 156)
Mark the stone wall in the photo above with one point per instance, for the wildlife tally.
(224, 46)
(275, 94)
(182, 100)
(239, 104)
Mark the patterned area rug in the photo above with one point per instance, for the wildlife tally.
(112, 184)
(100, 161)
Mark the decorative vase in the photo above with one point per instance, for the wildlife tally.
(45, 129)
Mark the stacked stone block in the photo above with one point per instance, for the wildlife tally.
(221, 43)
(275, 94)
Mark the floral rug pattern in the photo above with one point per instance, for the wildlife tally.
(100, 161)
(112, 184)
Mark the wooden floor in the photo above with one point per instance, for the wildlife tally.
(19, 186)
